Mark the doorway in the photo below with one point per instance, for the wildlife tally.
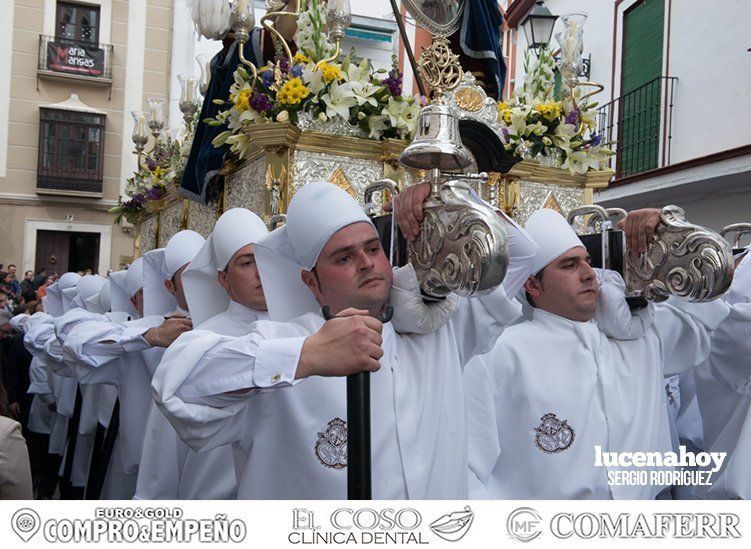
(62, 251)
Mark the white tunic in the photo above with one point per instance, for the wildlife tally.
(723, 386)
(293, 434)
(50, 388)
(169, 469)
(610, 393)
(115, 353)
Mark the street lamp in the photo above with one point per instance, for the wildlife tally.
(538, 26)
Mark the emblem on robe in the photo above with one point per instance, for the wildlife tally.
(553, 435)
(331, 446)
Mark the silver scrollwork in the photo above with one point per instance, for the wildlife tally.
(685, 260)
(462, 246)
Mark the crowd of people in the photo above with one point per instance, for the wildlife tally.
(208, 369)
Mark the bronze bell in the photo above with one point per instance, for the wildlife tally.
(437, 143)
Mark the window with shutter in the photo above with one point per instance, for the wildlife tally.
(641, 85)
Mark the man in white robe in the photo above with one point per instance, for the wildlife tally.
(124, 354)
(224, 295)
(723, 386)
(555, 387)
(279, 392)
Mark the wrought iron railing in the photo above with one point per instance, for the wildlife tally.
(640, 123)
(74, 57)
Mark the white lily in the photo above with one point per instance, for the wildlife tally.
(339, 100)
(313, 78)
(378, 125)
(363, 92)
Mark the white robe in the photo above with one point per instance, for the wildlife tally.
(609, 392)
(169, 469)
(41, 418)
(292, 434)
(115, 353)
(50, 388)
(723, 387)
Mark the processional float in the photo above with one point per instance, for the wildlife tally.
(461, 147)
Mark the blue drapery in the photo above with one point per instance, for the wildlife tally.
(480, 38)
(205, 160)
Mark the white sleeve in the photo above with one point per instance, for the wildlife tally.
(200, 367)
(730, 357)
(96, 342)
(684, 331)
(38, 331)
(613, 316)
(484, 443)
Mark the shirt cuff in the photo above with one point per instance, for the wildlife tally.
(133, 340)
(276, 361)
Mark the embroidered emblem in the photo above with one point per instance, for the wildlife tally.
(553, 435)
(670, 395)
(331, 446)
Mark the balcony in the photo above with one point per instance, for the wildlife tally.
(640, 122)
(84, 61)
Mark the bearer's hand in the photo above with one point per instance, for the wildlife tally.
(347, 344)
(15, 409)
(164, 334)
(409, 209)
(639, 226)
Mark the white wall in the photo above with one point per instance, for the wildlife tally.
(707, 53)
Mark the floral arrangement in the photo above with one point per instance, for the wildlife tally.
(160, 171)
(308, 86)
(537, 124)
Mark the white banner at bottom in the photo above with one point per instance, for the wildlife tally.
(272, 524)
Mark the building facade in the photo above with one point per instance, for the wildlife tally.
(70, 74)
(676, 76)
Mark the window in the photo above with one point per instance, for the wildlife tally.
(641, 86)
(77, 23)
(71, 151)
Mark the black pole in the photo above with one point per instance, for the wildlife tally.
(407, 47)
(66, 488)
(359, 479)
(359, 470)
(98, 474)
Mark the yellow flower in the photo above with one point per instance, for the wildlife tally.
(293, 92)
(242, 99)
(158, 173)
(550, 110)
(330, 72)
(300, 57)
(504, 111)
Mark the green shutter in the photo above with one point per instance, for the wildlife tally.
(641, 87)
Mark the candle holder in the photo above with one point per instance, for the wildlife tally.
(571, 39)
(187, 104)
(204, 63)
(156, 117)
(338, 19)
(139, 136)
(242, 21)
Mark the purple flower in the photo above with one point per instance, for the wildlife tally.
(284, 64)
(267, 77)
(150, 163)
(596, 140)
(505, 134)
(154, 193)
(394, 82)
(138, 199)
(259, 102)
(573, 117)
(296, 70)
